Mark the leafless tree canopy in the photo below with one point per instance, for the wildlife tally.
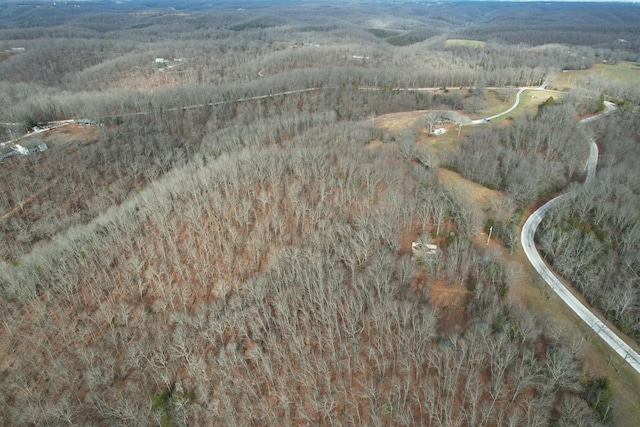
(223, 235)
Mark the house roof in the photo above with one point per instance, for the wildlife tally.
(32, 143)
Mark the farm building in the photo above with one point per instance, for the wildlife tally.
(32, 146)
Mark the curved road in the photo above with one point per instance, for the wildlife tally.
(527, 237)
(513, 107)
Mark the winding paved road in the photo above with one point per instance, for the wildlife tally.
(527, 238)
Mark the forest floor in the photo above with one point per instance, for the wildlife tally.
(526, 288)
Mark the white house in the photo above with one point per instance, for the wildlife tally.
(32, 146)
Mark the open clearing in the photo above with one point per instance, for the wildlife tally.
(450, 303)
(465, 43)
(529, 101)
(628, 72)
(474, 193)
(495, 103)
(395, 123)
(85, 134)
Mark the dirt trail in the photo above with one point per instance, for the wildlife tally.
(21, 204)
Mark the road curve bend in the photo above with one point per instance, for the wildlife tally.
(628, 354)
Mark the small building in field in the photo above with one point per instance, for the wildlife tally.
(32, 146)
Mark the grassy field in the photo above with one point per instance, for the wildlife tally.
(624, 71)
(462, 42)
(529, 101)
(495, 104)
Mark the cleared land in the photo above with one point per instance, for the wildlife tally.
(465, 43)
(624, 71)
(529, 101)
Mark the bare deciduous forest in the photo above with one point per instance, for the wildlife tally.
(220, 231)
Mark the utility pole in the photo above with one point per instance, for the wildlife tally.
(489, 238)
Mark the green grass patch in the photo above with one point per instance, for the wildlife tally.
(529, 102)
(465, 43)
(628, 72)
(444, 146)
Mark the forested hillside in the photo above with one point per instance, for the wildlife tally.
(264, 287)
(220, 231)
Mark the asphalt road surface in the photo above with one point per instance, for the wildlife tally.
(528, 231)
